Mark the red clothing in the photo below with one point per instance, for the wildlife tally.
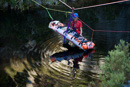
(77, 25)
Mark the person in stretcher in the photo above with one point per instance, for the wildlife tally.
(76, 25)
(73, 34)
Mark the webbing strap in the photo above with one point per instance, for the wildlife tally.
(68, 26)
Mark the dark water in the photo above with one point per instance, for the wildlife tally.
(32, 55)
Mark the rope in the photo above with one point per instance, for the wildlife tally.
(66, 15)
(102, 4)
(68, 25)
(86, 24)
(112, 31)
(80, 19)
(65, 4)
(92, 36)
(51, 9)
(73, 22)
(69, 22)
(49, 14)
(102, 30)
(73, 25)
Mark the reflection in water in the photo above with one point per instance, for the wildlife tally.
(71, 66)
(67, 66)
(73, 58)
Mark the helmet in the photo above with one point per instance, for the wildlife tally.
(75, 15)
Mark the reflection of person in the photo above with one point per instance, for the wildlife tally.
(76, 24)
(75, 65)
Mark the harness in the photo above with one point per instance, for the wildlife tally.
(74, 26)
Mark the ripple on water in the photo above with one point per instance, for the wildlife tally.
(71, 64)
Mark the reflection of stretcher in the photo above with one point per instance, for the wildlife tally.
(71, 35)
(67, 55)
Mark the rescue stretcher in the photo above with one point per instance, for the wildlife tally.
(71, 35)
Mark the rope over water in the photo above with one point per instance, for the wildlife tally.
(49, 14)
(97, 6)
(80, 19)
(102, 4)
(50, 8)
(65, 4)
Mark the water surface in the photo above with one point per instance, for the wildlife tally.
(32, 54)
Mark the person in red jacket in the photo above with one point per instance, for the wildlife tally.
(76, 24)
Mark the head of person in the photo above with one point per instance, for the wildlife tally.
(75, 16)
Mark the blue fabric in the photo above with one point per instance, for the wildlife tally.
(68, 26)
